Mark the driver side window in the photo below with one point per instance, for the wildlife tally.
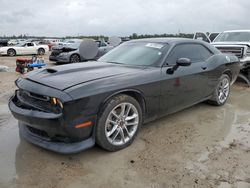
(194, 52)
(30, 44)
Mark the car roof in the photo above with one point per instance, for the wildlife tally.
(176, 41)
(236, 31)
(168, 40)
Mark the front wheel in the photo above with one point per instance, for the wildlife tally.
(74, 58)
(119, 123)
(222, 91)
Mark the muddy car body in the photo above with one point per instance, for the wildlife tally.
(69, 108)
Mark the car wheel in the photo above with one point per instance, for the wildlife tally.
(248, 73)
(119, 123)
(11, 52)
(222, 91)
(74, 58)
(41, 51)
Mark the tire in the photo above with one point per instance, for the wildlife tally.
(221, 92)
(248, 73)
(75, 58)
(11, 52)
(110, 127)
(40, 51)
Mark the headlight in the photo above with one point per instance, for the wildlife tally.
(248, 51)
(63, 54)
(56, 102)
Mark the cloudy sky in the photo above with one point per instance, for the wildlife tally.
(121, 17)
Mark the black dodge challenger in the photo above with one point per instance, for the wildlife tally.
(69, 108)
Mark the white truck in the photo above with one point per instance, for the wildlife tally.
(236, 42)
(28, 48)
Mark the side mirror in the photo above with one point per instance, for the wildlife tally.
(183, 62)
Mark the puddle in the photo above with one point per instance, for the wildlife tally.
(3, 68)
(9, 140)
(226, 163)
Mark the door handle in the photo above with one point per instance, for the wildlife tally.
(204, 67)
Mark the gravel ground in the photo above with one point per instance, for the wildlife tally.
(203, 146)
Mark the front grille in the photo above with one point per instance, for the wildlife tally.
(32, 101)
(38, 132)
(237, 51)
(45, 135)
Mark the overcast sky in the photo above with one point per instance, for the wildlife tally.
(121, 17)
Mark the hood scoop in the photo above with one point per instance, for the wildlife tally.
(49, 70)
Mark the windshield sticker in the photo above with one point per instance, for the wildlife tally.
(154, 45)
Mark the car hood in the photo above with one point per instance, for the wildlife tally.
(66, 76)
(230, 43)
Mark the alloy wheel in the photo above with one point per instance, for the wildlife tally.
(223, 90)
(121, 124)
(74, 59)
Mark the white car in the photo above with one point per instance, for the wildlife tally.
(16, 41)
(28, 48)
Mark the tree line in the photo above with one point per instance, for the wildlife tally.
(96, 37)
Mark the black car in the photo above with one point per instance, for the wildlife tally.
(3, 42)
(69, 108)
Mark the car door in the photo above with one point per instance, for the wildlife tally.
(30, 48)
(186, 85)
(20, 49)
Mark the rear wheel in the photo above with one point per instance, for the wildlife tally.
(41, 51)
(222, 91)
(74, 58)
(119, 123)
(11, 52)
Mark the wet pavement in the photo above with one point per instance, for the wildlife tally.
(203, 146)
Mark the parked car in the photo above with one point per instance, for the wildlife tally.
(13, 42)
(68, 52)
(3, 42)
(207, 38)
(236, 42)
(69, 108)
(24, 49)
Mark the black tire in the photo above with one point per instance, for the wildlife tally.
(248, 73)
(11, 52)
(215, 100)
(101, 138)
(75, 58)
(40, 51)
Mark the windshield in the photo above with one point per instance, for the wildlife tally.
(233, 36)
(136, 53)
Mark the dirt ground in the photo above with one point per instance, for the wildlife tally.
(203, 146)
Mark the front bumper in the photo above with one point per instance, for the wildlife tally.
(59, 147)
(245, 62)
(53, 131)
(60, 59)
